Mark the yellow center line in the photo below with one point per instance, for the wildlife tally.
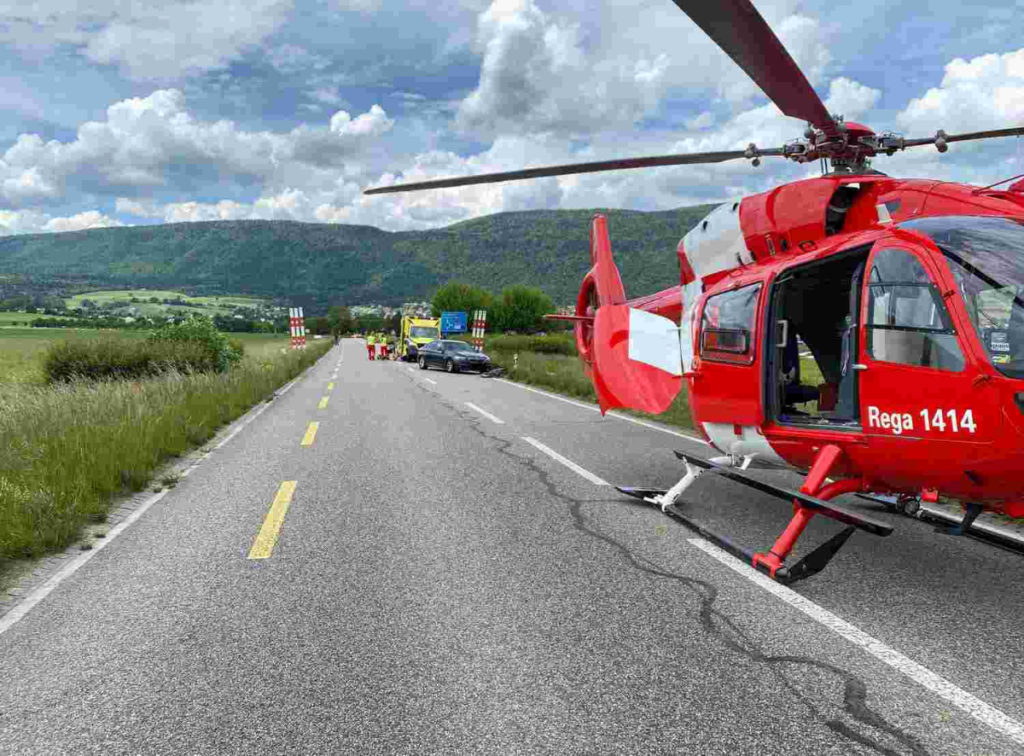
(307, 440)
(330, 387)
(323, 403)
(263, 546)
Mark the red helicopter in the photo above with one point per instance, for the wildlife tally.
(907, 293)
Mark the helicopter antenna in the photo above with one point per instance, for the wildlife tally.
(985, 188)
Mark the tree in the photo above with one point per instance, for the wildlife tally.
(522, 309)
(460, 297)
(321, 325)
(340, 318)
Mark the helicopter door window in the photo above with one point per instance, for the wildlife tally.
(907, 320)
(727, 326)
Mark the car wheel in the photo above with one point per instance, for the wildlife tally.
(449, 366)
(423, 363)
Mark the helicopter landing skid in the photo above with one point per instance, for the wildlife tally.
(810, 565)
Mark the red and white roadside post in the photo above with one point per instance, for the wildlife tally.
(298, 327)
(479, 325)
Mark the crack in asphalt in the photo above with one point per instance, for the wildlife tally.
(855, 690)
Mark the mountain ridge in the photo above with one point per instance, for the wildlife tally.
(318, 264)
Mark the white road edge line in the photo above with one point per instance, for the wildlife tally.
(616, 415)
(27, 603)
(485, 413)
(567, 462)
(924, 677)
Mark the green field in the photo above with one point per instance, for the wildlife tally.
(8, 319)
(213, 305)
(22, 349)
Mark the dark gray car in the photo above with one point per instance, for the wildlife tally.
(452, 356)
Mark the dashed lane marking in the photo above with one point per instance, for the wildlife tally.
(330, 387)
(307, 440)
(323, 403)
(923, 676)
(430, 380)
(485, 413)
(616, 415)
(263, 546)
(567, 462)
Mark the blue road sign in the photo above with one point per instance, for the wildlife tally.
(453, 322)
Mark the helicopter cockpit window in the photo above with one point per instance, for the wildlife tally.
(907, 319)
(727, 326)
(984, 255)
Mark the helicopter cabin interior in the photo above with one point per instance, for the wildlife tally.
(813, 347)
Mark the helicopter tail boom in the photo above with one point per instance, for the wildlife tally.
(628, 348)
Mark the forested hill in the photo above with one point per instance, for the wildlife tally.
(332, 263)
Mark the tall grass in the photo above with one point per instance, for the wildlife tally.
(67, 450)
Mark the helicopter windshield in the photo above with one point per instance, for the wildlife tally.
(986, 256)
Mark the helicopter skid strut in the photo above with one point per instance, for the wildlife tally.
(805, 506)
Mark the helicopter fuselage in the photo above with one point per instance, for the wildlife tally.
(843, 275)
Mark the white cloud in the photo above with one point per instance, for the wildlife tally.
(141, 208)
(181, 212)
(363, 6)
(703, 121)
(290, 59)
(154, 143)
(374, 123)
(81, 222)
(326, 95)
(146, 39)
(986, 92)
(850, 99)
(537, 75)
(35, 222)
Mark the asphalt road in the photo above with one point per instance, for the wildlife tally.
(440, 584)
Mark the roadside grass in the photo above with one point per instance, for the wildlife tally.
(68, 450)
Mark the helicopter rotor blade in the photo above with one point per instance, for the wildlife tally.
(744, 35)
(571, 168)
(1016, 131)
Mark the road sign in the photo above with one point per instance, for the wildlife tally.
(453, 322)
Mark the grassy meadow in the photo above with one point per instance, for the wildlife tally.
(68, 451)
(215, 305)
(17, 319)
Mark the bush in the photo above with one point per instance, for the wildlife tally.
(124, 359)
(199, 329)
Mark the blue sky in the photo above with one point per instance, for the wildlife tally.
(131, 112)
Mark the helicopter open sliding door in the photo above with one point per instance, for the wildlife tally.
(916, 384)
